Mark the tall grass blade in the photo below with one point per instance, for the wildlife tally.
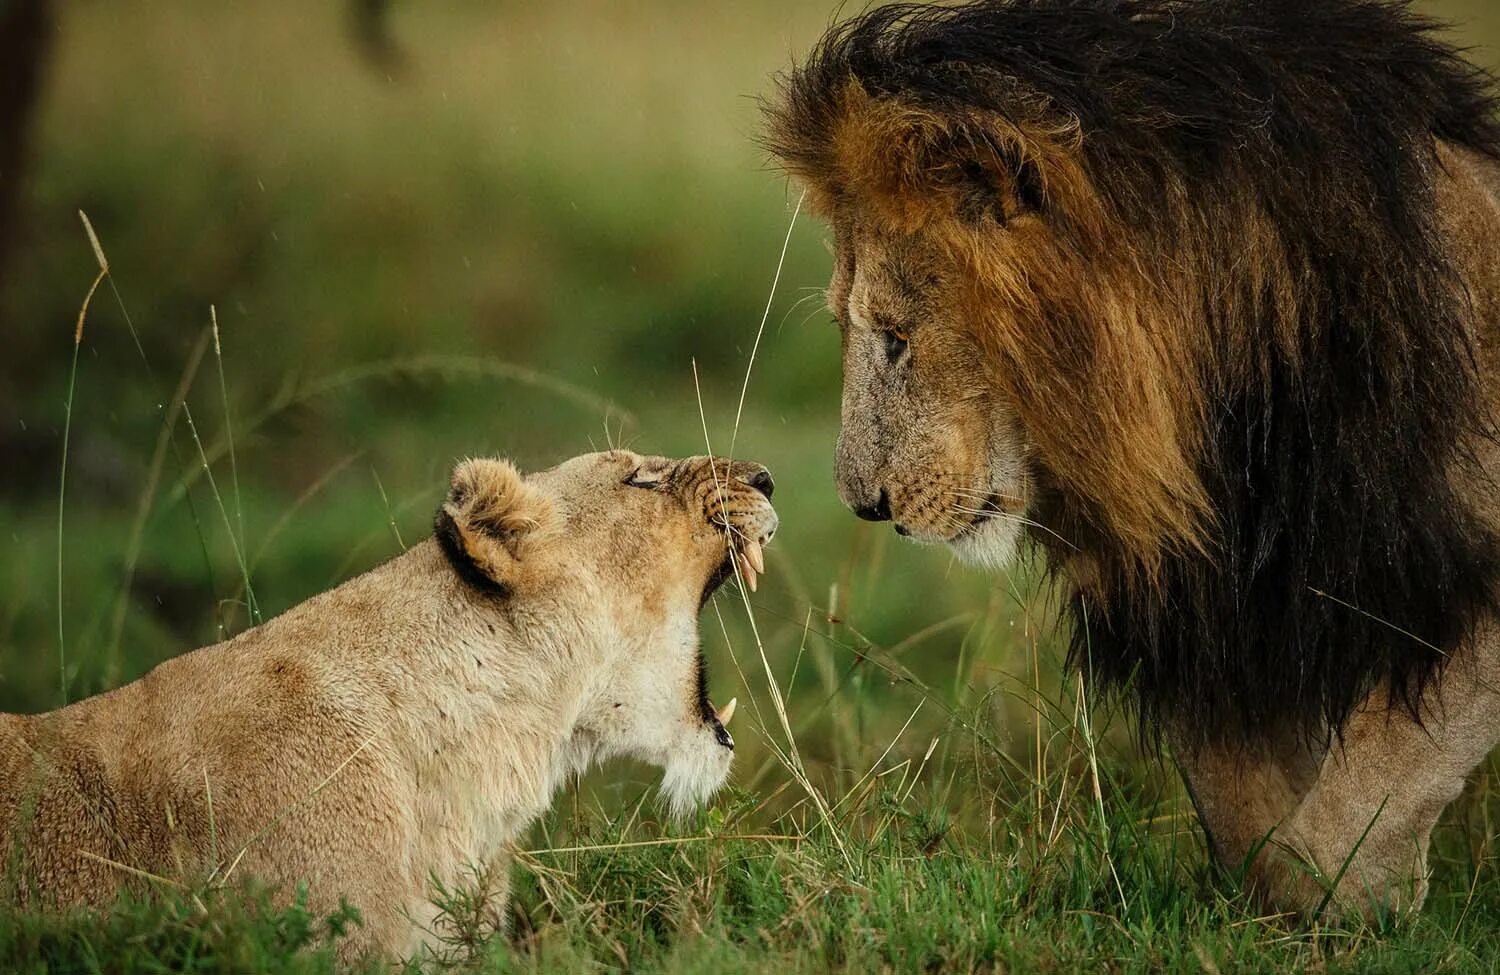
(765, 316)
(135, 337)
(62, 478)
(234, 467)
(112, 663)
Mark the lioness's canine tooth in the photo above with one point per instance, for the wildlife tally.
(747, 572)
(753, 553)
(727, 711)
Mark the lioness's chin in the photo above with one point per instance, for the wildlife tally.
(693, 774)
(989, 544)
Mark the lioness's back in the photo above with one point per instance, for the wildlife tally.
(124, 781)
(61, 816)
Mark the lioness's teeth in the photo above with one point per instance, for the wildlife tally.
(747, 571)
(727, 711)
(753, 554)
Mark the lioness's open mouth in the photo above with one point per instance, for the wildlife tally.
(749, 557)
(715, 718)
(752, 565)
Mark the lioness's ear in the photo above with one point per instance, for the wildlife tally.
(489, 521)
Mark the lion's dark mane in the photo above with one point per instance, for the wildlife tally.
(1342, 556)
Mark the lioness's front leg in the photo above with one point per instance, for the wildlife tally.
(1364, 826)
(1244, 792)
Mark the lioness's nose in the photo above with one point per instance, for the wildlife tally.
(761, 481)
(879, 511)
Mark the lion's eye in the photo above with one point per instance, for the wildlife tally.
(642, 478)
(896, 340)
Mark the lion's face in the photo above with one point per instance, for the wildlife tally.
(641, 543)
(1015, 354)
(927, 440)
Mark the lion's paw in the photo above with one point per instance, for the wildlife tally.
(1329, 875)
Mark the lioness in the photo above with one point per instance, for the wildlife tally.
(407, 725)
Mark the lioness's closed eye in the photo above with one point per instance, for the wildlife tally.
(408, 724)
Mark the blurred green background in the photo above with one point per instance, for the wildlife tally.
(508, 228)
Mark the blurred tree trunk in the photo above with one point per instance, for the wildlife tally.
(26, 30)
(370, 22)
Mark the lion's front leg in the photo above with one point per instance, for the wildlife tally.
(1243, 792)
(1363, 829)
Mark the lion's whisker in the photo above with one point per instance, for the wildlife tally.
(981, 496)
(793, 307)
(990, 513)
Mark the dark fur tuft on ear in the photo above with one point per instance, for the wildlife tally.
(490, 518)
(451, 540)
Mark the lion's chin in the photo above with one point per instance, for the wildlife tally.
(988, 544)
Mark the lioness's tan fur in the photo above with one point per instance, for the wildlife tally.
(406, 726)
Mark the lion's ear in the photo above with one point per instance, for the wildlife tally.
(903, 156)
(489, 521)
(986, 177)
(991, 182)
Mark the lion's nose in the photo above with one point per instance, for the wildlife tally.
(761, 481)
(879, 511)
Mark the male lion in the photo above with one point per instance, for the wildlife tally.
(1203, 298)
(407, 725)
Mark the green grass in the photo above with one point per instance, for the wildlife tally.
(175, 933)
(1048, 888)
(529, 244)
